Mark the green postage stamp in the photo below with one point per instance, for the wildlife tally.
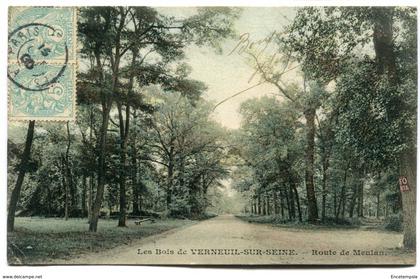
(42, 63)
(212, 136)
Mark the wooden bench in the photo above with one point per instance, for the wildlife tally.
(139, 222)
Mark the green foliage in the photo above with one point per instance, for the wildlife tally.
(372, 118)
(189, 147)
(269, 150)
(365, 114)
(210, 25)
(324, 38)
(394, 223)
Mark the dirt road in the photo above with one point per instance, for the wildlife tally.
(228, 240)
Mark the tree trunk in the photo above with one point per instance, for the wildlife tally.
(255, 206)
(297, 202)
(397, 205)
(251, 204)
(106, 100)
(123, 198)
(140, 203)
(335, 201)
(93, 225)
(66, 189)
(66, 200)
(169, 186)
(90, 198)
(84, 194)
(386, 63)
(259, 204)
(264, 205)
(292, 213)
(353, 200)
(135, 181)
(360, 200)
(281, 205)
(343, 208)
(286, 197)
(135, 186)
(325, 166)
(91, 173)
(48, 199)
(309, 170)
(275, 202)
(124, 128)
(14, 197)
(69, 189)
(383, 42)
(408, 169)
(124, 134)
(291, 201)
(341, 203)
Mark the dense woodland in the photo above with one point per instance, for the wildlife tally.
(332, 147)
(328, 148)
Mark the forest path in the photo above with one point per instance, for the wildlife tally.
(229, 232)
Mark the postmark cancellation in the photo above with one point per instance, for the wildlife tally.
(42, 63)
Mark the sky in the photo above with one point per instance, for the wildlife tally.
(226, 74)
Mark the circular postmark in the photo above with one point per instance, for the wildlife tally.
(38, 56)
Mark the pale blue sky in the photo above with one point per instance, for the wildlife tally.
(226, 74)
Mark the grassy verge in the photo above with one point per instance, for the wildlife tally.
(278, 221)
(36, 240)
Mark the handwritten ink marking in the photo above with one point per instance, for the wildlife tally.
(262, 49)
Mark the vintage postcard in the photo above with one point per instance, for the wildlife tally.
(212, 135)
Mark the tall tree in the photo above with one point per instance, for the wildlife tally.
(108, 36)
(305, 96)
(267, 143)
(186, 145)
(23, 166)
(335, 44)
